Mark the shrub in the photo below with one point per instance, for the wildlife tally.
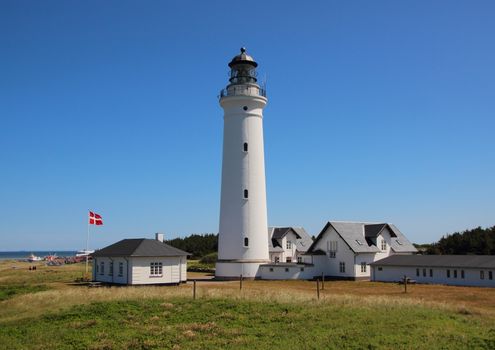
(209, 258)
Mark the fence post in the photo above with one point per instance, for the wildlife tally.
(194, 289)
(318, 288)
(322, 281)
(405, 284)
(240, 282)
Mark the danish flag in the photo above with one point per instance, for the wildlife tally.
(95, 219)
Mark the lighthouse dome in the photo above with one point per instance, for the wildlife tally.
(243, 58)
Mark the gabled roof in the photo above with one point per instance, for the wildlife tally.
(460, 261)
(373, 230)
(302, 243)
(400, 243)
(359, 237)
(139, 247)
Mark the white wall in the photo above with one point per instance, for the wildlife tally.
(396, 273)
(171, 268)
(281, 272)
(331, 266)
(174, 270)
(108, 275)
(280, 256)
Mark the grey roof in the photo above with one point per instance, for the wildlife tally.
(139, 247)
(359, 237)
(302, 243)
(282, 264)
(461, 261)
(400, 244)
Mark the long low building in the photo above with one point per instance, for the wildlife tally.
(460, 270)
(140, 261)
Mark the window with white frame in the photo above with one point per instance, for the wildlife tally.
(482, 275)
(342, 267)
(384, 244)
(121, 269)
(289, 245)
(363, 267)
(110, 269)
(332, 249)
(332, 246)
(102, 268)
(156, 269)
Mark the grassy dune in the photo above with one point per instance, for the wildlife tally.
(264, 315)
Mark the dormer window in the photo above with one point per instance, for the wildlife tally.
(384, 245)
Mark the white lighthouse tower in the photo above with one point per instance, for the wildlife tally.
(243, 235)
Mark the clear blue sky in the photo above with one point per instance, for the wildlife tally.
(378, 111)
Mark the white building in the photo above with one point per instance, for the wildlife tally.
(459, 270)
(140, 261)
(288, 244)
(344, 250)
(242, 241)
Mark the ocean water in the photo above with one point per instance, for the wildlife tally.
(41, 253)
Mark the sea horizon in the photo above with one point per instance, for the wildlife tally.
(24, 254)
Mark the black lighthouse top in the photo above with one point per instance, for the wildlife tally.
(243, 68)
(243, 58)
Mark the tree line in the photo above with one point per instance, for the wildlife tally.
(480, 241)
(198, 245)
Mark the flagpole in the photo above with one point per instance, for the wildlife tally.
(87, 246)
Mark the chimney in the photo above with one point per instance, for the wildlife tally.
(159, 236)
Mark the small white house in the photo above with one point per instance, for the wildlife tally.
(459, 270)
(140, 261)
(345, 250)
(288, 244)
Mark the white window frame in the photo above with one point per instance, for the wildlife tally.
(102, 268)
(156, 269)
(363, 267)
(121, 269)
(110, 269)
(384, 244)
(288, 245)
(342, 267)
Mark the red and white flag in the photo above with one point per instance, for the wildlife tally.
(95, 219)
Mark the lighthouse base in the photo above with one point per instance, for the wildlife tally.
(233, 269)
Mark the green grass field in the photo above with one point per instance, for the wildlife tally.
(57, 314)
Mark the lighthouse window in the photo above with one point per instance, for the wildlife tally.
(246, 242)
(245, 147)
(246, 194)
(245, 108)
